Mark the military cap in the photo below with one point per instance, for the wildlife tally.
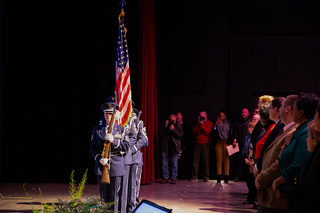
(108, 106)
(134, 112)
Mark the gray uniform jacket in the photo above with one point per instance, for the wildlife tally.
(139, 135)
(133, 139)
(121, 142)
(142, 141)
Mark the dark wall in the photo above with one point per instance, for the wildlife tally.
(216, 55)
(225, 54)
(60, 68)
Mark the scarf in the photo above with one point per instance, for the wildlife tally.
(261, 142)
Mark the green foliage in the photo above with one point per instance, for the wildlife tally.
(27, 194)
(93, 205)
(76, 192)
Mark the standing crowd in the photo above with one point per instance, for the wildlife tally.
(279, 154)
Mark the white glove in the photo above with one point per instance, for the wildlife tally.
(109, 137)
(104, 161)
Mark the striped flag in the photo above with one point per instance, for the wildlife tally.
(123, 86)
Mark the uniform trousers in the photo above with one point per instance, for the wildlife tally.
(128, 192)
(138, 181)
(110, 192)
(124, 190)
(201, 151)
(222, 157)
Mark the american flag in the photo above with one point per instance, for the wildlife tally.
(123, 86)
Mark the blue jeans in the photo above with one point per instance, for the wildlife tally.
(165, 165)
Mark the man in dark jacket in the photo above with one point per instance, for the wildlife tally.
(170, 146)
(240, 131)
(185, 159)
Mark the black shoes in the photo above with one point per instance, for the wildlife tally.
(219, 179)
(226, 178)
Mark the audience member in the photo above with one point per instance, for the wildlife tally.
(256, 111)
(268, 126)
(170, 146)
(274, 116)
(317, 119)
(256, 131)
(296, 155)
(307, 194)
(255, 118)
(184, 164)
(266, 196)
(240, 131)
(221, 128)
(202, 146)
(313, 138)
(247, 154)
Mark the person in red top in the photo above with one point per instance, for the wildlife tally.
(268, 126)
(202, 131)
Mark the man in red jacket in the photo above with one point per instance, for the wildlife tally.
(202, 146)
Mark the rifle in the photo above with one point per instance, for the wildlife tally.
(139, 114)
(105, 179)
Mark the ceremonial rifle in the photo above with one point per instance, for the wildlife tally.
(106, 150)
(139, 114)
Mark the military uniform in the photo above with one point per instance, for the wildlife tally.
(127, 163)
(132, 159)
(121, 143)
(137, 162)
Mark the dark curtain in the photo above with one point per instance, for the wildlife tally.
(148, 88)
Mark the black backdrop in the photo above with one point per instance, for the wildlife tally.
(57, 68)
(216, 55)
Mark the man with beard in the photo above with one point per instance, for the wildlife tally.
(240, 131)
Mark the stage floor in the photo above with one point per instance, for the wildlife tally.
(185, 196)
